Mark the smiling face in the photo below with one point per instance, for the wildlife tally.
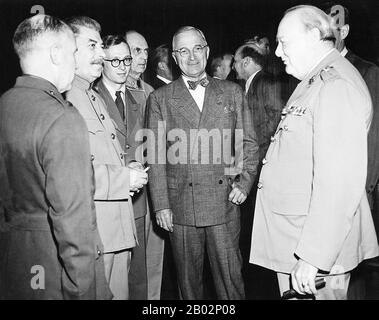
(116, 74)
(90, 54)
(193, 66)
(294, 46)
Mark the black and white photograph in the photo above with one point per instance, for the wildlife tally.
(204, 152)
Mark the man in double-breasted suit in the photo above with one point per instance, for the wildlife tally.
(199, 124)
(369, 271)
(49, 241)
(113, 179)
(312, 217)
(128, 118)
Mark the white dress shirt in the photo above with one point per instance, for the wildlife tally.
(198, 94)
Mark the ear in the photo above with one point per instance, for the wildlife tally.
(56, 54)
(174, 57)
(208, 50)
(246, 61)
(344, 31)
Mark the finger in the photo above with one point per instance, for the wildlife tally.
(306, 288)
(236, 196)
(241, 197)
(164, 224)
(232, 194)
(312, 286)
(295, 284)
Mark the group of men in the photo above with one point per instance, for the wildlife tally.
(76, 167)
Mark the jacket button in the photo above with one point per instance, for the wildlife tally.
(220, 181)
(260, 185)
(113, 136)
(93, 98)
(102, 117)
(121, 156)
(264, 161)
(127, 146)
(285, 128)
(273, 139)
(190, 184)
(92, 157)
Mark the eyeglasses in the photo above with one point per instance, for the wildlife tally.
(116, 62)
(184, 52)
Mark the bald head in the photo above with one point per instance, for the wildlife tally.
(304, 36)
(139, 51)
(46, 48)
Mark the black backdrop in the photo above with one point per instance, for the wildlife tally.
(226, 23)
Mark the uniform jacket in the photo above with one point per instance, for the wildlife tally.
(141, 94)
(130, 137)
(113, 204)
(266, 104)
(198, 192)
(311, 200)
(46, 193)
(370, 74)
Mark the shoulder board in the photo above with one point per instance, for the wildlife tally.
(329, 73)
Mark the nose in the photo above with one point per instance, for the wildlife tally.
(101, 53)
(122, 66)
(279, 50)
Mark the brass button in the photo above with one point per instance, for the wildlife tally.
(102, 117)
(92, 157)
(264, 161)
(273, 139)
(113, 136)
(121, 156)
(260, 185)
(93, 98)
(127, 146)
(285, 128)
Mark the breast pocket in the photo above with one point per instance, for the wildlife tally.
(96, 138)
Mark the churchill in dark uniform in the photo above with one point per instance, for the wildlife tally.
(49, 244)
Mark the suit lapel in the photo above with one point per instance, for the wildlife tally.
(183, 103)
(111, 107)
(212, 103)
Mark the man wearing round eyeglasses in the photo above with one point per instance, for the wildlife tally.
(127, 115)
(196, 200)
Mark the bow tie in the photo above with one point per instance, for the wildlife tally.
(193, 84)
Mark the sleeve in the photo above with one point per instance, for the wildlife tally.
(246, 144)
(339, 172)
(65, 158)
(156, 156)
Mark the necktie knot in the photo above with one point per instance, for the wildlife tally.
(193, 84)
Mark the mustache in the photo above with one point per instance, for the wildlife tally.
(97, 61)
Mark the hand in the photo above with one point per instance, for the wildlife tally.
(237, 196)
(303, 277)
(138, 178)
(136, 165)
(164, 219)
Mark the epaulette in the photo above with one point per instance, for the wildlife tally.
(326, 74)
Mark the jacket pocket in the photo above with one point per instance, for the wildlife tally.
(94, 126)
(290, 204)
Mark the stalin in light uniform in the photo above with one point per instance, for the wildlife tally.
(114, 181)
(312, 217)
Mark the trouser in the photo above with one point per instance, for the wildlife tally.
(138, 271)
(334, 289)
(154, 257)
(116, 265)
(222, 245)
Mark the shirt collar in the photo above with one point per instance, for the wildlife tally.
(248, 82)
(111, 88)
(185, 79)
(344, 52)
(166, 81)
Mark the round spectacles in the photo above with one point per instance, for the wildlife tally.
(185, 52)
(116, 62)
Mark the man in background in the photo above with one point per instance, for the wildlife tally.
(221, 66)
(140, 91)
(162, 65)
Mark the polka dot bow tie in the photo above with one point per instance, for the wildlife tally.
(193, 84)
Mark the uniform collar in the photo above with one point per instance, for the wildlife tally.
(81, 83)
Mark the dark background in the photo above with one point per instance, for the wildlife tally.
(226, 23)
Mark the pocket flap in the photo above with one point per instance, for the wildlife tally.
(291, 204)
(94, 126)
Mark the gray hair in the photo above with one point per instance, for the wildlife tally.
(313, 17)
(185, 29)
(29, 30)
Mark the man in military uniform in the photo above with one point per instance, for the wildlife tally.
(312, 216)
(114, 180)
(49, 242)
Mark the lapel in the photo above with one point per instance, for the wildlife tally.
(183, 103)
(111, 107)
(212, 107)
(133, 111)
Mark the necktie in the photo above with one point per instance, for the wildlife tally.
(193, 84)
(120, 105)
